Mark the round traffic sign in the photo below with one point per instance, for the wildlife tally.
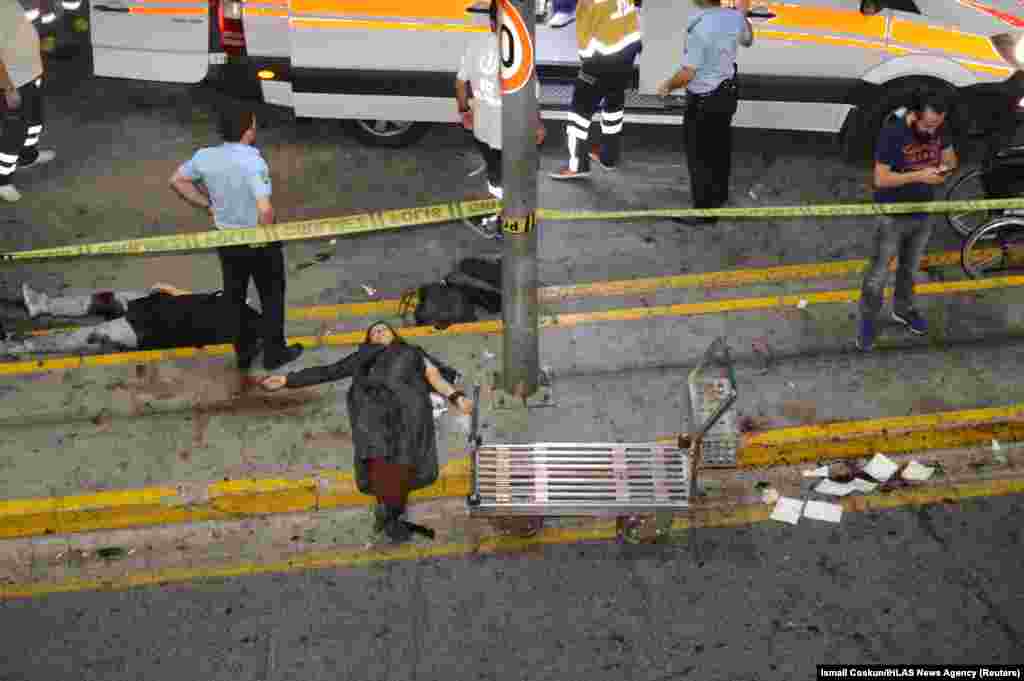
(516, 49)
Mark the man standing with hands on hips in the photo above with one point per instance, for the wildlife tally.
(913, 156)
(21, 83)
(712, 94)
(237, 180)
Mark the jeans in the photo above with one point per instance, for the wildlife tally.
(902, 236)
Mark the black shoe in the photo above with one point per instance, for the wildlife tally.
(694, 222)
(278, 359)
(245, 359)
(395, 528)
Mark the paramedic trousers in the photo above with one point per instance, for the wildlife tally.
(264, 264)
(707, 136)
(22, 129)
(905, 236)
(606, 79)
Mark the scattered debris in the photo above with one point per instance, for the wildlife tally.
(770, 495)
(821, 510)
(765, 353)
(995, 446)
(788, 510)
(802, 304)
(836, 489)
(821, 472)
(916, 472)
(881, 468)
(370, 291)
(333, 242)
(488, 355)
(791, 385)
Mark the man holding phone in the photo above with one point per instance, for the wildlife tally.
(914, 155)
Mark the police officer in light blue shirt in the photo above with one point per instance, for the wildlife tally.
(708, 73)
(237, 195)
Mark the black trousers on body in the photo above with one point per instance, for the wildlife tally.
(265, 266)
(707, 135)
(22, 129)
(605, 79)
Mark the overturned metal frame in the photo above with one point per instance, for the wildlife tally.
(605, 479)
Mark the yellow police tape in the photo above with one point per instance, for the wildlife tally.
(377, 221)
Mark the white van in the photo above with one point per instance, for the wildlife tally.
(389, 66)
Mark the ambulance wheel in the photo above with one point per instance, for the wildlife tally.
(862, 133)
(384, 133)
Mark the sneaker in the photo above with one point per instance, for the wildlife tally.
(914, 322)
(488, 226)
(560, 19)
(44, 157)
(566, 173)
(866, 337)
(9, 193)
(282, 357)
(35, 301)
(595, 156)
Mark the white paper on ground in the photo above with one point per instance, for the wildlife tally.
(915, 471)
(834, 488)
(788, 510)
(881, 468)
(821, 510)
(863, 485)
(770, 495)
(821, 472)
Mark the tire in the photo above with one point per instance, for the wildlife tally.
(862, 136)
(384, 133)
(968, 187)
(995, 247)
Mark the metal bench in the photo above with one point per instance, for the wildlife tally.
(604, 478)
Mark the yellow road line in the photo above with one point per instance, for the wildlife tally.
(604, 531)
(495, 326)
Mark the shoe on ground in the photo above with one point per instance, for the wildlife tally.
(35, 301)
(45, 156)
(278, 359)
(9, 193)
(866, 335)
(560, 19)
(595, 156)
(568, 174)
(913, 320)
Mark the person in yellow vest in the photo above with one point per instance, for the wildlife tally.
(608, 39)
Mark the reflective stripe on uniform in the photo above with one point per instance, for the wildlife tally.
(31, 141)
(595, 46)
(611, 122)
(35, 130)
(496, 192)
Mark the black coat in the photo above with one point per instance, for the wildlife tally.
(388, 405)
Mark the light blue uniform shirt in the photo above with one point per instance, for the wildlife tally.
(236, 176)
(711, 44)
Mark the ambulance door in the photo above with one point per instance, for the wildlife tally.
(167, 41)
(807, 59)
(381, 60)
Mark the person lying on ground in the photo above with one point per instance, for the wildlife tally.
(391, 417)
(160, 318)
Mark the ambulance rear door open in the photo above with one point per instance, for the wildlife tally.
(148, 40)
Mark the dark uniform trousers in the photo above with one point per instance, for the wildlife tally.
(22, 129)
(265, 266)
(605, 79)
(707, 135)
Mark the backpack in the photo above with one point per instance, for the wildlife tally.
(440, 305)
(481, 282)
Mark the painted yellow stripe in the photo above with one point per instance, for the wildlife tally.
(353, 24)
(602, 531)
(495, 327)
(446, 9)
(826, 19)
(943, 39)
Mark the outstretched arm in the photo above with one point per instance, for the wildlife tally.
(343, 368)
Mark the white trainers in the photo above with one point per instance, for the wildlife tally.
(560, 19)
(35, 301)
(45, 156)
(9, 193)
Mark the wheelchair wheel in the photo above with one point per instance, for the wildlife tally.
(968, 187)
(994, 248)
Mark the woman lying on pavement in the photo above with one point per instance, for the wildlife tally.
(163, 317)
(392, 418)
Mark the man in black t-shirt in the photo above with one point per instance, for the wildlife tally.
(164, 317)
(914, 155)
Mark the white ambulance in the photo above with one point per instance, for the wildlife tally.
(388, 66)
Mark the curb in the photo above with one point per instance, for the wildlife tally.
(231, 500)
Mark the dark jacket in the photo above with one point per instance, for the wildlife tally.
(388, 406)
